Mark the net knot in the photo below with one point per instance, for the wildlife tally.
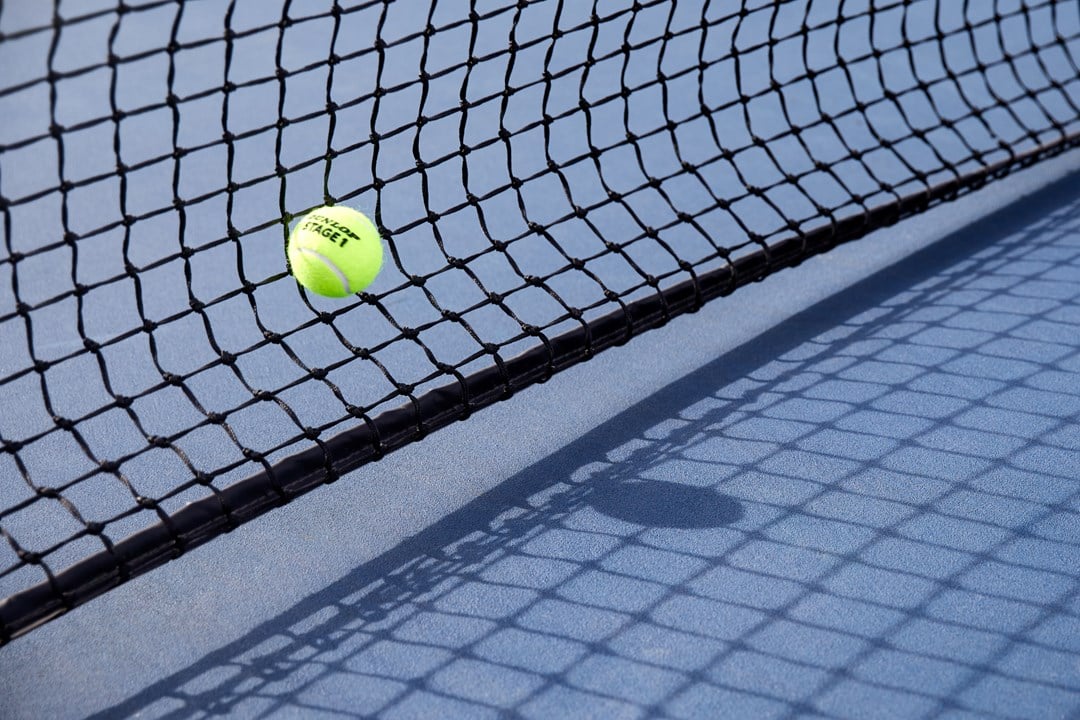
(30, 558)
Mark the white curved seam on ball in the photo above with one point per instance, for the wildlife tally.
(330, 264)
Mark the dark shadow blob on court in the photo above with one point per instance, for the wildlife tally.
(663, 504)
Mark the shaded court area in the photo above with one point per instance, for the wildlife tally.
(870, 511)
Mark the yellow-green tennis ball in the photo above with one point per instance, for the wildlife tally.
(335, 251)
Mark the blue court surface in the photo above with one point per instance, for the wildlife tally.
(850, 490)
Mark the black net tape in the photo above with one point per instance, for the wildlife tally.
(551, 179)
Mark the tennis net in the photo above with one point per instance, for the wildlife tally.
(551, 179)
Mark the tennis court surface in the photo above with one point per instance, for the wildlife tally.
(725, 362)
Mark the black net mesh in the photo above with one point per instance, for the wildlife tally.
(550, 178)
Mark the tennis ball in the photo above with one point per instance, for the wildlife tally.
(335, 251)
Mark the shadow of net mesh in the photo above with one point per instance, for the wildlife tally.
(550, 179)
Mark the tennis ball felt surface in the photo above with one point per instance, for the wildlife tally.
(335, 251)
